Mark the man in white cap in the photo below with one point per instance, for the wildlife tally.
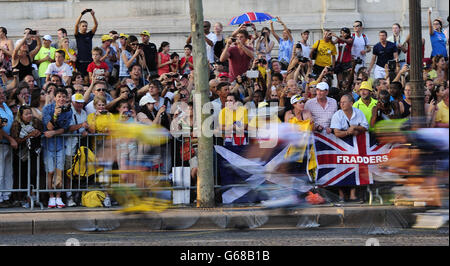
(322, 108)
(45, 57)
(78, 125)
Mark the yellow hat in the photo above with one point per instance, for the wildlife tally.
(145, 32)
(106, 37)
(365, 86)
(124, 35)
(77, 97)
(313, 83)
(262, 104)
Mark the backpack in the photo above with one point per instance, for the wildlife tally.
(364, 37)
(315, 51)
(84, 157)
(93, 199)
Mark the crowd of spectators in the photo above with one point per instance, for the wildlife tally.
(54, 86)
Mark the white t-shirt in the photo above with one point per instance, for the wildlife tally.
(306, 50)
(63, 71)
(359, 44)
(210, 49)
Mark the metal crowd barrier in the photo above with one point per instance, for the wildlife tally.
(164, 162)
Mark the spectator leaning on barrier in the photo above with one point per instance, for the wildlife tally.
(26, 130)
(322, 108)
(233, 120)
(99, 88)
(366, 103)
(84, 41)
(385, 109)
(326, 53)
(348, 121)
(56, 119)
(238, 54)
(6, 143)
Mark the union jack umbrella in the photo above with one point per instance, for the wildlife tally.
(250, 17)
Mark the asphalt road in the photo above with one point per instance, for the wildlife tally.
(230, 238)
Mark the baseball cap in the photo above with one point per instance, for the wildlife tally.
(224, 74)
(106, 37)
(296, 98)
(77, 97)
(365, 86)
(145, 32)
(123, 35)
(48, 38)
(323, 86)
(305, 30)
(146, 99)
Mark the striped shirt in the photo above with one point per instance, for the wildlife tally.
(322, 116)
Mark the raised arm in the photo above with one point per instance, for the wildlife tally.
(430, 25)
(77, 22)
(94, 29)
(286, 29)
(275, 35)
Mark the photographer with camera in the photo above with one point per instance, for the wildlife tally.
(384, 52)
(8, 87)
(124, 93)
(264, 44)
(385, 109)
(22, 57)
(98, 66)
(243, 88)
(84, 41)
(56, 118)
(59, 68)
(238, 54)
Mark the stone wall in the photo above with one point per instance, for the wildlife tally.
(168, 20)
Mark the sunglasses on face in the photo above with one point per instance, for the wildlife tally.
(356, 26)
(101, 89)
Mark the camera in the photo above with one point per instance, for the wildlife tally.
(182, 96)
(312, 76)
(141, 46)
(128, 113)
(65, 108)
(130, 95)
(298, 46)
(86, 11)
(392, 64)
(15, 72)
(358, 61)
(3, 121)
(331, 69)
(262, 61)
(103, 112)
(33, 32)
(233, 39)
(302, 59)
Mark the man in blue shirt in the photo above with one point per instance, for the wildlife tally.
(56, 118)
(382, 53)
(6, 142)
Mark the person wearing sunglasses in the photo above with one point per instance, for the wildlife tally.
(360, 44)
(130, 55)
(98, 88)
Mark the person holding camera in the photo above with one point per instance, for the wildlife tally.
(264, 44)
(59, 68)
(84, 41)
(238, 54)
(384, 53)
(325, 53)
(124, 94)
(22, 58)
(385, 109)
(56, 118)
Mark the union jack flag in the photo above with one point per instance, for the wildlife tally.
(349, 161)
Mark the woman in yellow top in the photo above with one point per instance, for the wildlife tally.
(100, 121)
(233, 118)
(304, 120)
(71, 56)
